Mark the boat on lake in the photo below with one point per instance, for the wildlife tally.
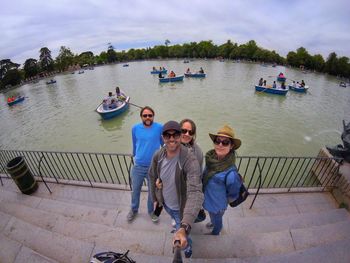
(126, 65)
(298, 88)
(14, 100)
(270, 90)
(171, 79)
(281, 78)
(51, 82)
(163, 71)
(342, 84)
(195, 75)
(108, 113)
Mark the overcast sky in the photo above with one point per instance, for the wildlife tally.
(321, 26)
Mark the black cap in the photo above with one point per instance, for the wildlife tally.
(171, 125)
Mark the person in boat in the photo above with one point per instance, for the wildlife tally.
(302, 84)
(172, 74)
(175, 183)
(261, 81)
(293, 84)
(118, 95)
(113, 104)
(105, 104)
(154, 68)
(146, 140)
(274, 85)
(109, 98)
(281, 75)
(283, 85)
(160, 75)
(221, 181)
(163, 68)
(201, 70)
(188, 71)
(264, 82)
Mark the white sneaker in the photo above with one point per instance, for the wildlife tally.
(173, 223)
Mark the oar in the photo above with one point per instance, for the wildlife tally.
(267, 87)
(123, 98)
(135, 105)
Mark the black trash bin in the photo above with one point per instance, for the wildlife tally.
(22, 176)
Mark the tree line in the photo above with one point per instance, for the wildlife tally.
(11, 74)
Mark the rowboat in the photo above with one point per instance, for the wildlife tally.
(51, 82)
(171, 79)
(126, 65)
(281, 78)
(163, 71)
(298, 88)
(195, 75)
(16, 100)
(277, 91)
(342, 84)
(111, 113)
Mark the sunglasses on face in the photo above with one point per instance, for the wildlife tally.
(147, 115)
(167, 135)
(217, 141)
(185, 131)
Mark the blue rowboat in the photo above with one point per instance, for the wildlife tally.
(126, 65)
(195, 75)
(111, 113)
(51, 81)
(163, 71)
(173, 79)
(17, 100)
(298, 88)
(281, 79)
(277, 91)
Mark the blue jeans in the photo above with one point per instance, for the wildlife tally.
(216, 220)
(138, 175)
(175, 214)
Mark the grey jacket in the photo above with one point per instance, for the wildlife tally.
(187, 180)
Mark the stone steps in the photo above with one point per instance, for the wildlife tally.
(74, 223)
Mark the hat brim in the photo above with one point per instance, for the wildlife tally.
(237, 142)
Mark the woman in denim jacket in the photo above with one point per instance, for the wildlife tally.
(221, 181)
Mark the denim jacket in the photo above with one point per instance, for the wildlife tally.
(221, 188)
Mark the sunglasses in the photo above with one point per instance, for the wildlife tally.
(167, 136)
(147, 115)
(223, 142)
(185, 131)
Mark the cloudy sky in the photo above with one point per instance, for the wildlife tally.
(321, 26)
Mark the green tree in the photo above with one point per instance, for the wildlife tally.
(331, 64)
(111, 54)
(225, 49)
(64, 59)
(86, 58)
(46, 61)
(31, 68)
(167, 42)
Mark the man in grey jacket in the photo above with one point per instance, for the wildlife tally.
(175, 183)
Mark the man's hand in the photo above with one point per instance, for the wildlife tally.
(181, 236)
(159, 184)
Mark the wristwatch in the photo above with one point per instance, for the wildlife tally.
(186, 227)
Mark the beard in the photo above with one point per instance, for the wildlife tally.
(147, 123)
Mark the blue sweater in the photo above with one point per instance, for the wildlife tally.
(145, 142)
(217, 193)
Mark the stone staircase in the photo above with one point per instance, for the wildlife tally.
(74, 223)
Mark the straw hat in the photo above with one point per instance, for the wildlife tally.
(227, 132)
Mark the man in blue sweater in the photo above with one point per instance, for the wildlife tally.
(146, 140)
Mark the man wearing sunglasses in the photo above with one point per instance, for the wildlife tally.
(175, 172)
(146, 140)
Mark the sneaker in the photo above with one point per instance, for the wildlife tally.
(188, 250)
(173, 223)
(131, 215)
(209, 225)
(154, 218)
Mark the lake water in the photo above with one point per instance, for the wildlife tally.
(62, 117)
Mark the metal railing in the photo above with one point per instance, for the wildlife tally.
(258, 172)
